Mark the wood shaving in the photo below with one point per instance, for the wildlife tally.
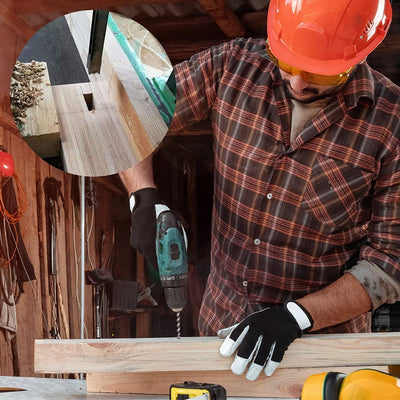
(24, 88)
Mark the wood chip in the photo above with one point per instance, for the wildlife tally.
(24, 88)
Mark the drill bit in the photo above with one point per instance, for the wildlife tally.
(178, 325)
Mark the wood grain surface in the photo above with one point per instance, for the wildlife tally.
(201, 354)
(124, 125)
(283, 383)
(41, 129)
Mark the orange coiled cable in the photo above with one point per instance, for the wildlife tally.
(15, 217)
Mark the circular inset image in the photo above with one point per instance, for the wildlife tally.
(93, 93)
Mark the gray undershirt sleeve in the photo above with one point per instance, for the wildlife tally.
(380, 286)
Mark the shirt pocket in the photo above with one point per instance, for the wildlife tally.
(334, 191)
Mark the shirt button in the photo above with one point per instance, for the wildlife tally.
(244, 283)
(257, 241)
(269, 196)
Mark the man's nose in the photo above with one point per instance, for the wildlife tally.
(298, 83)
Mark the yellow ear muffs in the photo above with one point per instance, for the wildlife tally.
(324, 386)
(369, 384)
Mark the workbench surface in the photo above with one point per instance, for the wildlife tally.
(67, 389)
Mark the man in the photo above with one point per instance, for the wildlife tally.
(306, 215)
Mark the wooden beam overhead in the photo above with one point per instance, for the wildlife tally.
(202, 354)
(225, 18)
(35, 7)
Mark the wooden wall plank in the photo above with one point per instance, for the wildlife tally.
(10, 47)
(283, 383)
(42, 170)
(72, 252)
(6, 355)
(199, 354)
(29, 305)
(15, 22)
(90, 263)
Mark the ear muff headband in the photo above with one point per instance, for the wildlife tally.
(333, 382)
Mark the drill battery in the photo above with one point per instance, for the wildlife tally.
(189, 390)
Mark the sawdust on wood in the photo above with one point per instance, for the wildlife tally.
(25, 88)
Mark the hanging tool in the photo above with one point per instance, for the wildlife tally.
(52, 190)
(196, 391)
(172, 262)
(98, 278)
(145, 298)
(365, 384)
(96, 41)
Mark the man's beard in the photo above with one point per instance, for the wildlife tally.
(308, 90)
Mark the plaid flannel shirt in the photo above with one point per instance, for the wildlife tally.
(289, 218)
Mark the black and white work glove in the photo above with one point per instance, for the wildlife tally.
(146, 205)
(263, 337)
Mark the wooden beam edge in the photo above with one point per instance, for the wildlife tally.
(283, 383)
(200, 354)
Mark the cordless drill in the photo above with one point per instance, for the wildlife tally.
(172, 262)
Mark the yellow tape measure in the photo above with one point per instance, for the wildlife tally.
(190, 390)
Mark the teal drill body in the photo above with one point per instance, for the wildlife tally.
(172, 259)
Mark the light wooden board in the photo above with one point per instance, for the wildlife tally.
(94, 143)
(59, 389)
(67, 389)
(283, 383)
(202, 354)
(125, 104)
(41, 129)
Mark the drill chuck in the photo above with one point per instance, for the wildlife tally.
(175, 291)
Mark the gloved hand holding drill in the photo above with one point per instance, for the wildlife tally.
(144, 205)
(158, 234)
(263, 337)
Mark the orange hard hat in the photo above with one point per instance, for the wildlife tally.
(326, 37)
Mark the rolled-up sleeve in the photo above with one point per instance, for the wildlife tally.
(197, 83)
(383, 245)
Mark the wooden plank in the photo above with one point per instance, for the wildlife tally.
(42, 170)
(72, 251)
(41, 129)
(29, 306)
(283, 383)
(124, 119)
(58, 389)
(202, 354)
(94, 143)
(143, 320)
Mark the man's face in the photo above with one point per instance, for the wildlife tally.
(299, 89)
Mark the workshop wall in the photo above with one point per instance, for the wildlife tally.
(46, 287)
(48, 303)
